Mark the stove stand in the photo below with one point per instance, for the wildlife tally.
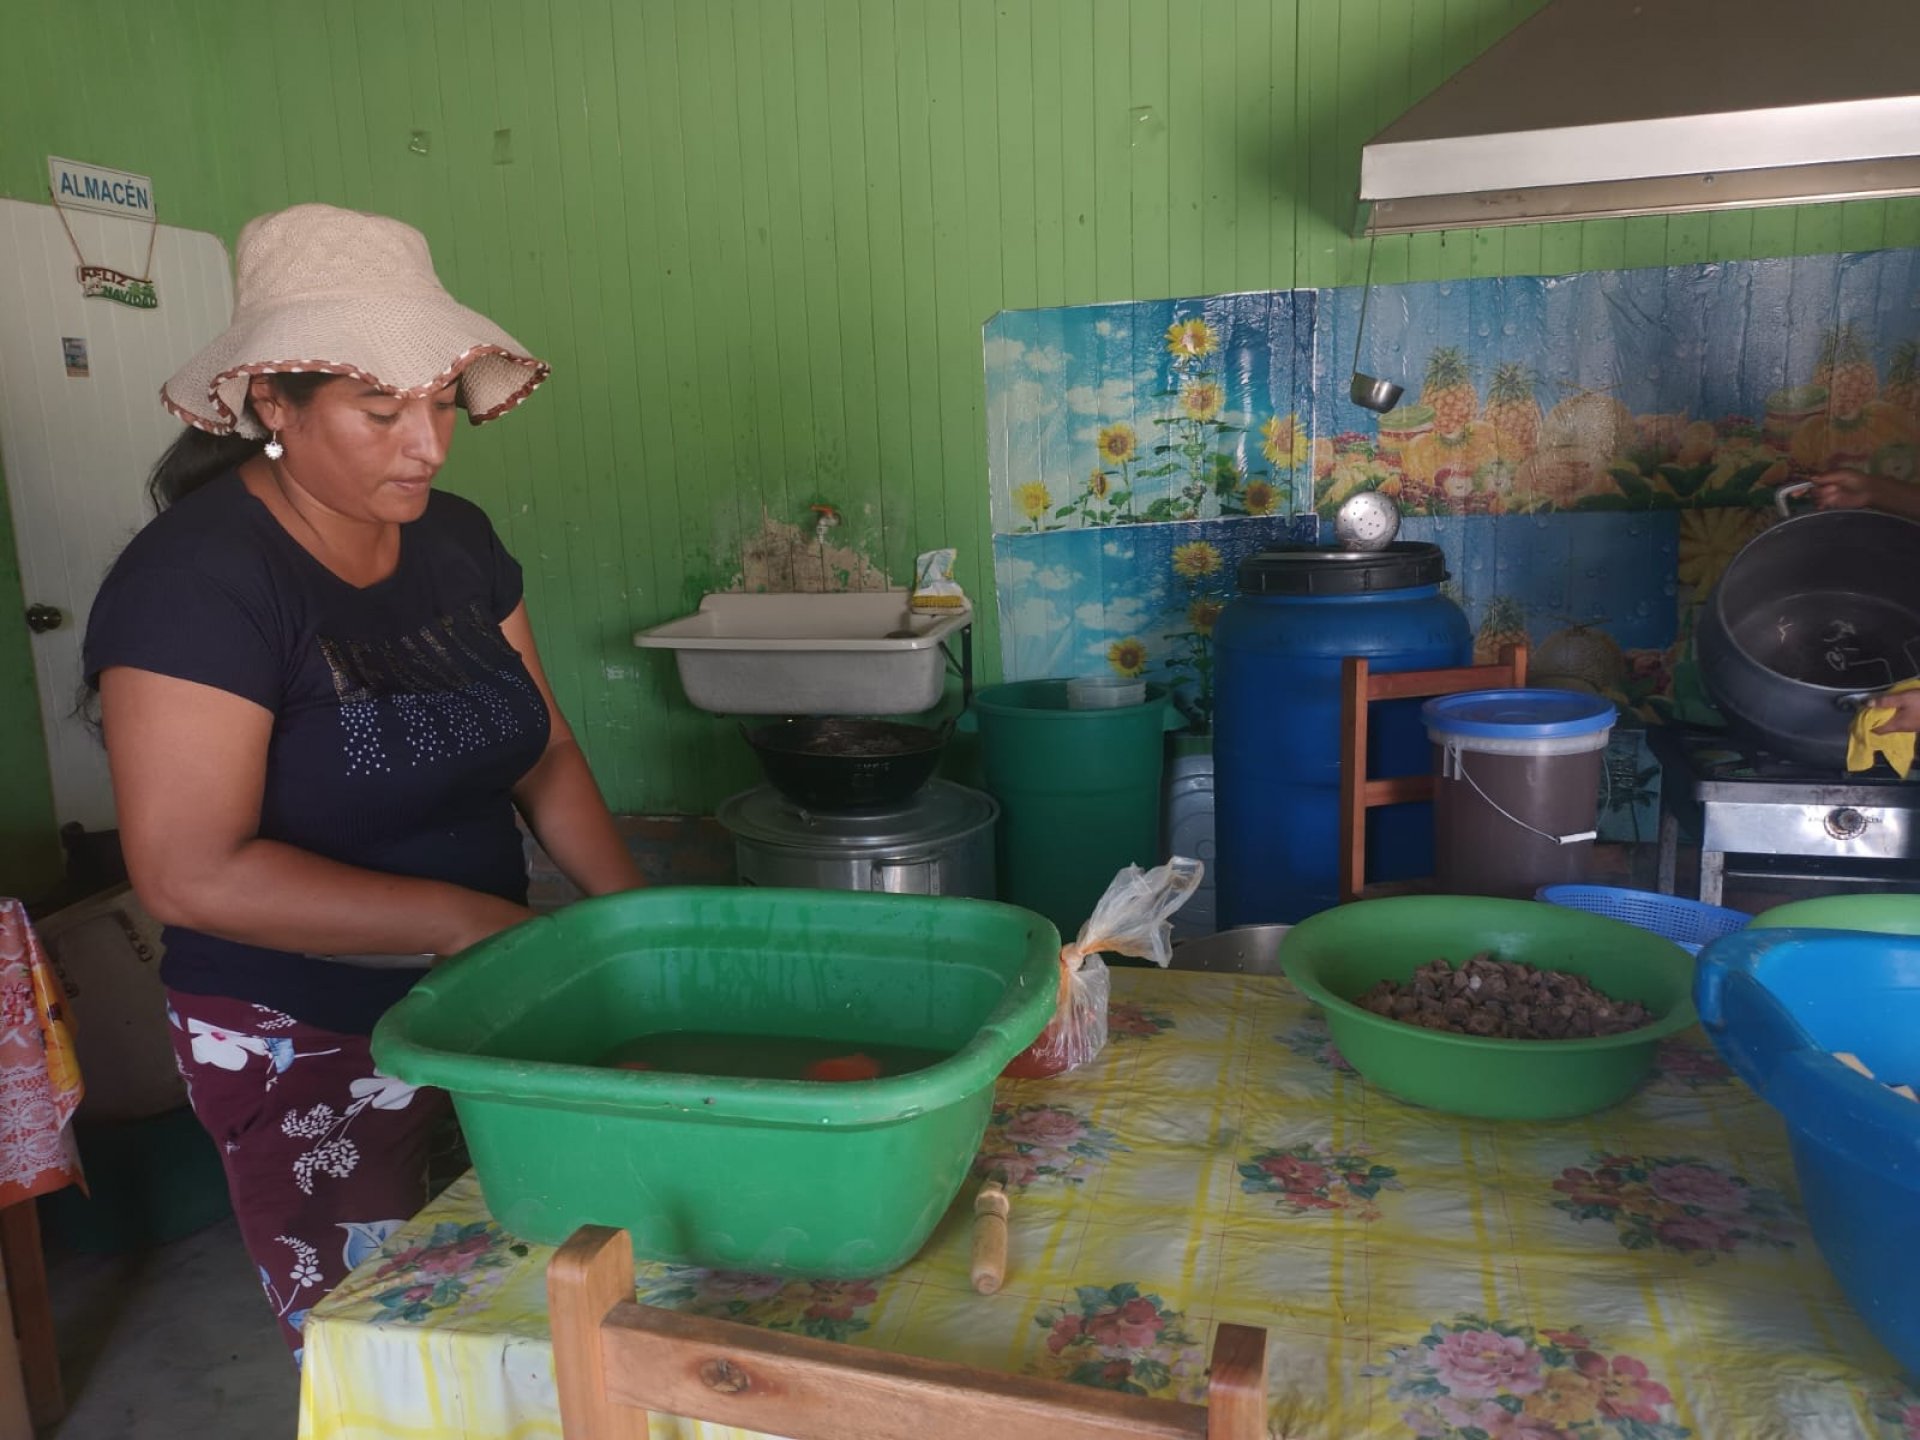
(1763, 818)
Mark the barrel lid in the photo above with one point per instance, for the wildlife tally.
(1519, 714)
(939, 811)
(1311, 570)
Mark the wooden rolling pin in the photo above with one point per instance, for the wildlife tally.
(990, 1210)
(1858, 1066)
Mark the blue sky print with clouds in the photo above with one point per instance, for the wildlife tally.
(1057, 379)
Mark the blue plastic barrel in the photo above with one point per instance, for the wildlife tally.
(1278, 649)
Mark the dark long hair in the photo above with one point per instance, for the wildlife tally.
(195, 457)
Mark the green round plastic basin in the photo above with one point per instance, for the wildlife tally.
(1340, 954)
(1882, 914)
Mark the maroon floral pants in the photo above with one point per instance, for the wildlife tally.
(325, 1156)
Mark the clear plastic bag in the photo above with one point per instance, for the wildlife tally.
(1132, 918)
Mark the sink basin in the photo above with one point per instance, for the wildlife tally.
(856, 653)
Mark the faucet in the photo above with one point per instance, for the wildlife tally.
(825, 518)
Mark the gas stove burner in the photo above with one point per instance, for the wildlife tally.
(1774, 821)
(1712, 755)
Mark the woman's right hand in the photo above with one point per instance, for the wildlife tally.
(489, 916)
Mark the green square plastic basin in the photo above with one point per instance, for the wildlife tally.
(784, 1177)
(1338, 955)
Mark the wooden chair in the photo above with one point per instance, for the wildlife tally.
(16, 1416)
(30, 1308)
(615, 1360)
(1360, 687)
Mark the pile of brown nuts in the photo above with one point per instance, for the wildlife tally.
(1504, 1001)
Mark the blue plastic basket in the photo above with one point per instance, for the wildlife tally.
(1688, 923)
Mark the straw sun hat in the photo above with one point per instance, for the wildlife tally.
(323, 289)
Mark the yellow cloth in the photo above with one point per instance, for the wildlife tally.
(1864, 747)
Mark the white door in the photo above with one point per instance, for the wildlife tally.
(76, 449)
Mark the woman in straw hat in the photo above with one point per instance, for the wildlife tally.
(323, 706)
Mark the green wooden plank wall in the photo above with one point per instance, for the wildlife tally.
(758, 239)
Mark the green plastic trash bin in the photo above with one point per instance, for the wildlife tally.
(1079, 793)
(151, 1182)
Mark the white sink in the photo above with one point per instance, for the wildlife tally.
(850, 653)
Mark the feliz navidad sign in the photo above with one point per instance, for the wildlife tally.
(75, 186)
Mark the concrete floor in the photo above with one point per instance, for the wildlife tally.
(177, 1342)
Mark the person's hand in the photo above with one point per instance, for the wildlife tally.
(1905, 719)
(486, 916)
(1848, 490)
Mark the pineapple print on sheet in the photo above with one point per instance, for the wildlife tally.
(1855, 429)
(1513, 413)
(1903, 379)
(448, 688)
(1450, 464)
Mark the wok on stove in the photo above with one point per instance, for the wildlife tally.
(1811, 619)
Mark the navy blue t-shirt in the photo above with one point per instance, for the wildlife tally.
(402, 718)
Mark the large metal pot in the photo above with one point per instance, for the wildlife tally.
(940, 842)
(1249, 950)
(1813, 617)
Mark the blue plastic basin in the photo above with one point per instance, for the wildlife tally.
(1778, 1003)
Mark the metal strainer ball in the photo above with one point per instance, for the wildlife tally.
(1368, 521)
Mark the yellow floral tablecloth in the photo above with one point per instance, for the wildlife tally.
(1643, 1274)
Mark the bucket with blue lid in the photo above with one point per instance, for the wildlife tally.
(1516, 787)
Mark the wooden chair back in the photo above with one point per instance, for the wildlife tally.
(1360, 687)
(615, 1360)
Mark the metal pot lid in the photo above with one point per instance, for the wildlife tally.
(938, 812)
(1310, 570)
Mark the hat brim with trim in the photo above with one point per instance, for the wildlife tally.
(407, 343)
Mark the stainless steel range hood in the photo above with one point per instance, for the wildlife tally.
(1644, 107)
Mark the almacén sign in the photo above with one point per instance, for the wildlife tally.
(92, 187)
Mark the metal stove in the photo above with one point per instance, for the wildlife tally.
(1760, 817)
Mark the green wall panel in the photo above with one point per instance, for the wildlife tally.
(758, 240)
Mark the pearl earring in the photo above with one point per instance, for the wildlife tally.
(274, 448)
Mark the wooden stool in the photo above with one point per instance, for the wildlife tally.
(615, 1360)
(1360, 687)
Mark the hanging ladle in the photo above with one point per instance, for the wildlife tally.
(1368, 391)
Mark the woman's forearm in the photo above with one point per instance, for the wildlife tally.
(283, 898)
(569, 817)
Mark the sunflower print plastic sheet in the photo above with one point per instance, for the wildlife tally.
(1641, 1274)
